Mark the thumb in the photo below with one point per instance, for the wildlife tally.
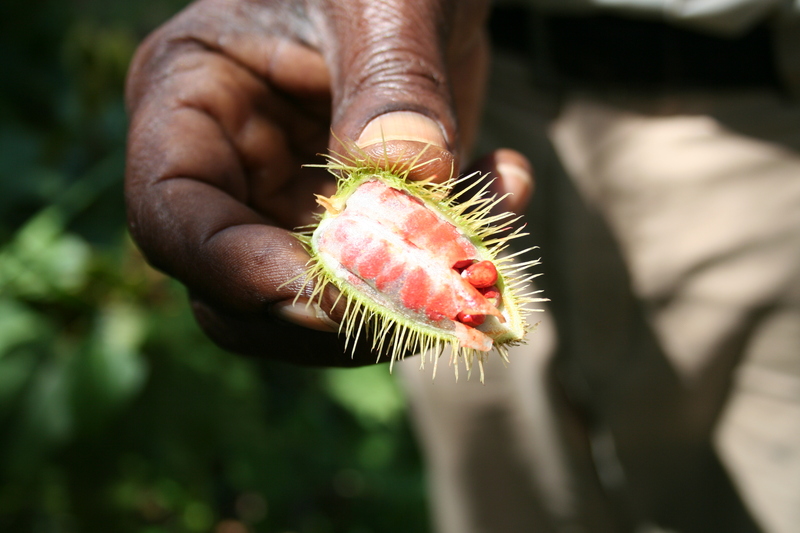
(390, 86)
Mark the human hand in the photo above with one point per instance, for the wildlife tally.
(231, 97)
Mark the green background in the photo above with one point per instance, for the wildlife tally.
(116, 413)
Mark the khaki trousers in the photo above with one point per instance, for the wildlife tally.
(661, 390)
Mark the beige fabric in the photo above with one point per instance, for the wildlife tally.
(662, 390)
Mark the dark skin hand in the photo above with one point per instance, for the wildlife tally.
(228, 101)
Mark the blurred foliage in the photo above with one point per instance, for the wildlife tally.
(116, 414)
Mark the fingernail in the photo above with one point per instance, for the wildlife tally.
(305, 314)
(516, 179)
(402, 126)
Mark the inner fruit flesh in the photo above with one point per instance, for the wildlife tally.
(412, 260)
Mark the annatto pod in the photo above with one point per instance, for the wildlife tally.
(419, 266)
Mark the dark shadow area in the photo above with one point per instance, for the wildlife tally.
(634, 57)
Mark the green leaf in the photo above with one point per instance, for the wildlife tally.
(369, 392)
(15, 372)
(110, 371)
(43, 422)
(18, 325)
(41, 260)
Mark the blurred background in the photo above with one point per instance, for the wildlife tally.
(116, 414)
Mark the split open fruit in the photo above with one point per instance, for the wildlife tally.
(419, 267)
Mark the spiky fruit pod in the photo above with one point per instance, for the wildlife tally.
(420, 267)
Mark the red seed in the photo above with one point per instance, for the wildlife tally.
(461, 264)
(481, 275)
(492, 294)
(471, 320)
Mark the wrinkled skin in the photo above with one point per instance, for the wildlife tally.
(230, 98)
